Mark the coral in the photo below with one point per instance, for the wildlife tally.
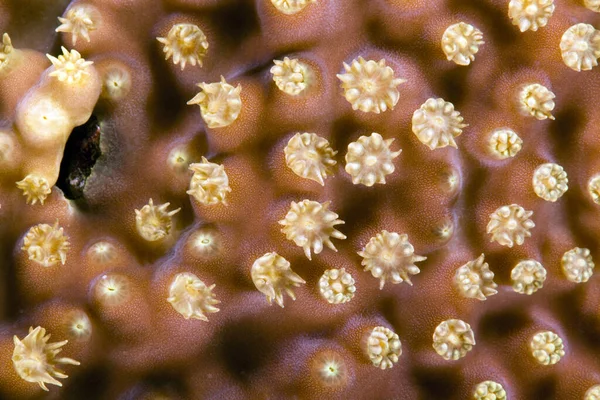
(6, 49)
(383, 347)
(592, 393)
(116, 82)
(154, 222)
(331, 369)
(46, 245)
(69, 67)
(390, 256)
(220, 103)
(369, 159)
(290, 75)
(510, 225)
(537, 100)
(550, 181)
(272, 275)
(79, 326)
(577, 265)
(489, 390)
(475, 280)
(370, 86)
(593, 188)
(79, 21)
(102, 252)
(310, 156)
(186, 43)
(191, 298)
(436, 123)
(530, 14)
(310, 224)
(35, 359)
(593, 5)
(547, 347)
(209, 184)
(580, 47)
(528, 277)
(505, 143)
(35, 188)
(112, 289)
(337, 286)
(460, 43)
(453, 339)
(291, 6)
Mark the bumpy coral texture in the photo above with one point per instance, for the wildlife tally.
(462, 187)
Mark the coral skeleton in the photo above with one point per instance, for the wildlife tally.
(547, 347)
(505, 143)
(489, 390)
(453, 339)
(510, 225)
(370, 159)
(537, 100)
(290, 75)
(460, 43)
(79, 21)
(580, 47)
(186, 43)
(528, 277)
(436, 123)
(70, 67)
(273, 276)
(530, 14)
(310, 224)
(291, 6)
(475, 280)
(389, 256)
(154, 223)
(370, 86)
(310, 156)
(577, 265)
(191, 298)
(209, 184)
(35, 360)
(35, 188)
(220, 103)
(383, 347)
(550, 181)
(337, 286)
(46, 245)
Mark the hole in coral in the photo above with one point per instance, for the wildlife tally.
(236, 22)
(440, 384)
(81, 153)
(502, 324)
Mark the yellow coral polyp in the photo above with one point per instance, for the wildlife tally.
(593, 188)
(35, 360)
(112, 289)
(436, 123)
(154, 222)
(273, 276)
(475, 280)
(290, 75)
(550, 181)
(489, 390)
(6, 50)
(337, 286)
(537, 100)
(186, 43)
(453, 339)
(530, 14)
(528, 277)
(370, 159)
(383, 347)
(580, 47)
(46, 245)
(79, 21)
(330, 369)
(209, 184)
(547, 347)
(310, 156)
(593, 5)
(35, 188)
(78, 325)
(69, 67)
(116, 83)
(370, 86)
(505, 143)
(191, 298)
(220, 103)
(510, 225)
(291, 6)
(577, 265)
(593, 393)
(310, 224)
(460, 43)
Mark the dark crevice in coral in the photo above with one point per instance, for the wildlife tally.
(436, 384)
(235, 23)
(569, 123)
(503, 324)
(544, 389)
(89, 384)
(453, 85)
(81, 153)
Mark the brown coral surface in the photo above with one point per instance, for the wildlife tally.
(165, 302)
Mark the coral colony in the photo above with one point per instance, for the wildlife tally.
(382, 199)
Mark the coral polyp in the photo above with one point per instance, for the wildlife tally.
(69, 67)
(290, 75)
(154, 223)
(593, 5)
(577, 265)
(489, 390)
(46, 245)
(593, 393)
(209, 184)
(547, 347)
(580, 47)
(510, 225)
(453, 339)
(35, 188)
(550, 181)
(528, 277)
(530, 14)
(436, 123)
(475, 280)
(112, 289)
(370, 159)
(191, 298)
(337, 286)
(505, 143)
(310, 156)
(220, 103)
(460, 43)
(79, 21)
(186, 43)
(593, 188)
(291, 6)
(383, 347)
(537, 100)
(273, 276)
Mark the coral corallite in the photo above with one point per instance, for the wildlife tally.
(46, 245)
(453, 339)
(383, 347)
(370, 159)
(191, 298)
(510, 225)
(310, 156)
(273, 276)
(436, 123)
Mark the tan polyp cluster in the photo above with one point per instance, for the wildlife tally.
(337, 286)
(116, 82)
(35, 359)
(547, 347)
(528, 277)
(154, 222)
(505, 143)
(112, 289)
(35, 188)
(6, 51)
(370, 86)
(310, 224)
(370, 159)
(78, 325)
(530, 14)
(489, 390)
(220, 103)
(593, 5)
(291, 6)
(46, 245)
(383, 347)
(186, 43)
(577, 265)
(453, 339)
(550, 181)
(79, 20)
(593, 393)
(272, 276)
(474, 280)
(460, 43)
(7, 150)
(209, 184)
(580, 47)
(290, 75)
(191, 298)
(593, 188)
(537, 100)
(436, 123)
(102, 252)
(310, 156)
(510, 225)
(390, 256)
